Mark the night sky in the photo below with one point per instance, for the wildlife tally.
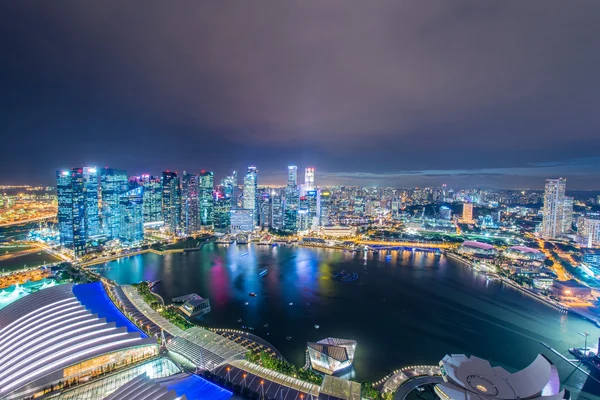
(404, 93)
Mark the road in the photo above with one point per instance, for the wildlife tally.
(26, 221)
(413, 383)
(407, 244)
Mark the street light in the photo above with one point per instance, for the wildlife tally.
(585, 349)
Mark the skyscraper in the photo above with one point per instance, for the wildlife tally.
(277, 211)
(206, 199)
(171, 204)
(114, 184)
(71, 209)
(324, 207)
(265, 210)
(567, 214)
(222, 217)
(467, 214)
(92, 211)
(251, 191)
(229, 184)
(309, 179)
(131, 216)
(292, 176)
(190, 203)
(152, 203)
(313, 199)
(292, 201)
(553, 214)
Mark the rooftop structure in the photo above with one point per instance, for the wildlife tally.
(474, 378)
(331, 355)
(205, 349)
(195, 306)
(338, 388)
(63, 334)
(524, 253)
(478, 248)
(142, 388)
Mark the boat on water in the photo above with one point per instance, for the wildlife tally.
(266, 325)
(317, 326)
(246, 303)
(240, 320)
(263, 272)
(288, 338)
(291, 304)
(252, 294)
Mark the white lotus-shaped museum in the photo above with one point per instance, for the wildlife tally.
(472, 378)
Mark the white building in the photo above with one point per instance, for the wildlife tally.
(474, 378)
(241, 220)
(589, 230)
(553, 213)
(309, 179)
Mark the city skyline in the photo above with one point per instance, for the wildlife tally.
(467, 94)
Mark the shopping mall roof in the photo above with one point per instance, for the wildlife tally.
(473, 377)
(339, 388)
(50, 330)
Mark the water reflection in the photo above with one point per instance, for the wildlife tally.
(405, 308)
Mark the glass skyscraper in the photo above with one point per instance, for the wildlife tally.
(92, 211)
(277, 211)
(206, 182)
(251, 191)
(292, 201)
(71, 209)
(190, 201)
(131, 216)
(324, 206)
(222, 217)
(152, 199)
(114, 183)
(171, 204)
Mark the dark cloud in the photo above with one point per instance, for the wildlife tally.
(342, 85)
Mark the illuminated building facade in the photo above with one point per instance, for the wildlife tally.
(222, 218)
(131, 216)
(467, 213)
(114, 184)
(292, 201)
(241, 220)
(152, 199)
(250, 201)
(553, 214)
(71, 210)
(63, 335)
(324, 208)
(92, 210)
(567, 214)
(277, 211)
(309, 179)
(265, 210)
(171, 201)
(313, 201)
(190, 203)
(589, 231)
(207, 210)
(331, 355)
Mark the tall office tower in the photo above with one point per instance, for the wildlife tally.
(277, 211)
(131, 215)
(265, 210)
(292, 176)
(292, 201)
(114, 184)
(71, 209)
(152, 203)
(171, 202)
(567, 217)
(467, 214)
(309, 179)
(554, 199)
(303, 217)
(395, 207)
(313, 200)
(190, 203)
(251, 192)
(207, 206)
(92, 211)
(324, 207)
(222, 213)
(229, 184)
